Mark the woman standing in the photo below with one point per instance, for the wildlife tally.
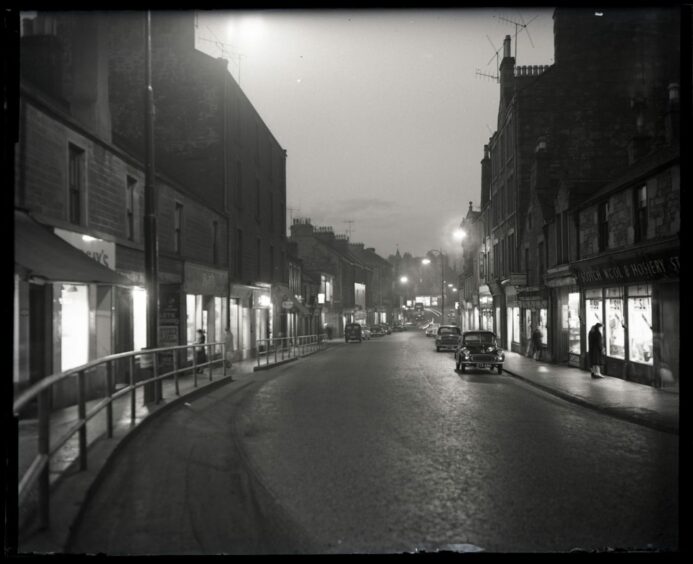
(595, 350)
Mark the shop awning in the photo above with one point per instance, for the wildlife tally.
(40, 253)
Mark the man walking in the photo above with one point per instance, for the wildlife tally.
(595, 350)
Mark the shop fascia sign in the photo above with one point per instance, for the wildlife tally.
(643, 268)
(101, 251)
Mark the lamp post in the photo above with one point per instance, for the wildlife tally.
(403, 281)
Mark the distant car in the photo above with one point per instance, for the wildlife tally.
(378, 331)
(432, 329)
(366, 333)
(447, 338)
(479, 349)
(353, 332)
(388, 328)
(399, 327)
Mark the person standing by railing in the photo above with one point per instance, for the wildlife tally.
(200, 353)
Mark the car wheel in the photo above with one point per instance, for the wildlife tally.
(500, 369)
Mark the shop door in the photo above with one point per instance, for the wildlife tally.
(564, 328)
(668, 337)
(40, 322)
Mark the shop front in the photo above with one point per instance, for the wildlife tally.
(635, 296)
(534, 313)
(206, 303)
(513, 325)
(486, 308)
(498, 295)
(64, 300)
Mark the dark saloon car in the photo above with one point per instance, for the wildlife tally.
(352, 332)
(479, 349)
(447, 338)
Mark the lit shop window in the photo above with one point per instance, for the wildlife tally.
(139, 318)
(74, 326)
(509, 326)
(640, 324)
(543, 326)
(498, 321)
(516, 324)
(593, 310)
(615, 332)
(574, 322)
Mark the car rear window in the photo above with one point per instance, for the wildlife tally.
(480, 339)
(449, 331)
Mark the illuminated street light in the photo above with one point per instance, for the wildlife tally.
(460, 234)
(404, 279)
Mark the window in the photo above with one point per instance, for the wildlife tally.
(574, 322)
(516, 324)
(215, 242)
(543, 316)
(640, 324)
(130, 208)
(511, 252)
(615, 324)
(76, 184)
(603, 222)
(593, 310)
(496, 261)
(640, 218)
(178, 229)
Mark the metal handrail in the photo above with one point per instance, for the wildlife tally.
(38, 471)
(275, 350)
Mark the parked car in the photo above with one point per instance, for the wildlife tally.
(378, 331)
(366, 333)
(353, 332)
(479, 349)
(388, 328)
(399, 327)
(432, 329)
(447, 338)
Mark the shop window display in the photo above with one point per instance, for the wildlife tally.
(640, 324)
(615, 331)
(543, 317)
(593, 310)
(574, 322)
(74, 326)
(509, 327)
(516, 324)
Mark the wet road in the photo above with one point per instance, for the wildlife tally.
(383, 447)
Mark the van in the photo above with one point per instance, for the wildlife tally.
(352, 332)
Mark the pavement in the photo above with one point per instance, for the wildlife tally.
(70, 488)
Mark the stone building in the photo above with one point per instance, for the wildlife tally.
(565, 131)
(79, 192)
(210, 137)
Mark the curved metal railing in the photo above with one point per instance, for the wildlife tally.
(150, 361)
(281, 349)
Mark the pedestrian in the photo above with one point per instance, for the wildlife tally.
(200, 354)
(228, 340)
(594, 340)
(536, 343)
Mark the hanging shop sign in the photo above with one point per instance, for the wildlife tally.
(287, 304)
(641, 268)
(101, 251)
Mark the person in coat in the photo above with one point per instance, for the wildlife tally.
(228, 340)
(536, 343)
(200, 351)
(595, 346)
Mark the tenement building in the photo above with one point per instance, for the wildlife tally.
(579, 212)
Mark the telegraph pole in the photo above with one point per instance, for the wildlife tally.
(151, 251)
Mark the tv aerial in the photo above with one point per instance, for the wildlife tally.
(519, 27)
(496, 77)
